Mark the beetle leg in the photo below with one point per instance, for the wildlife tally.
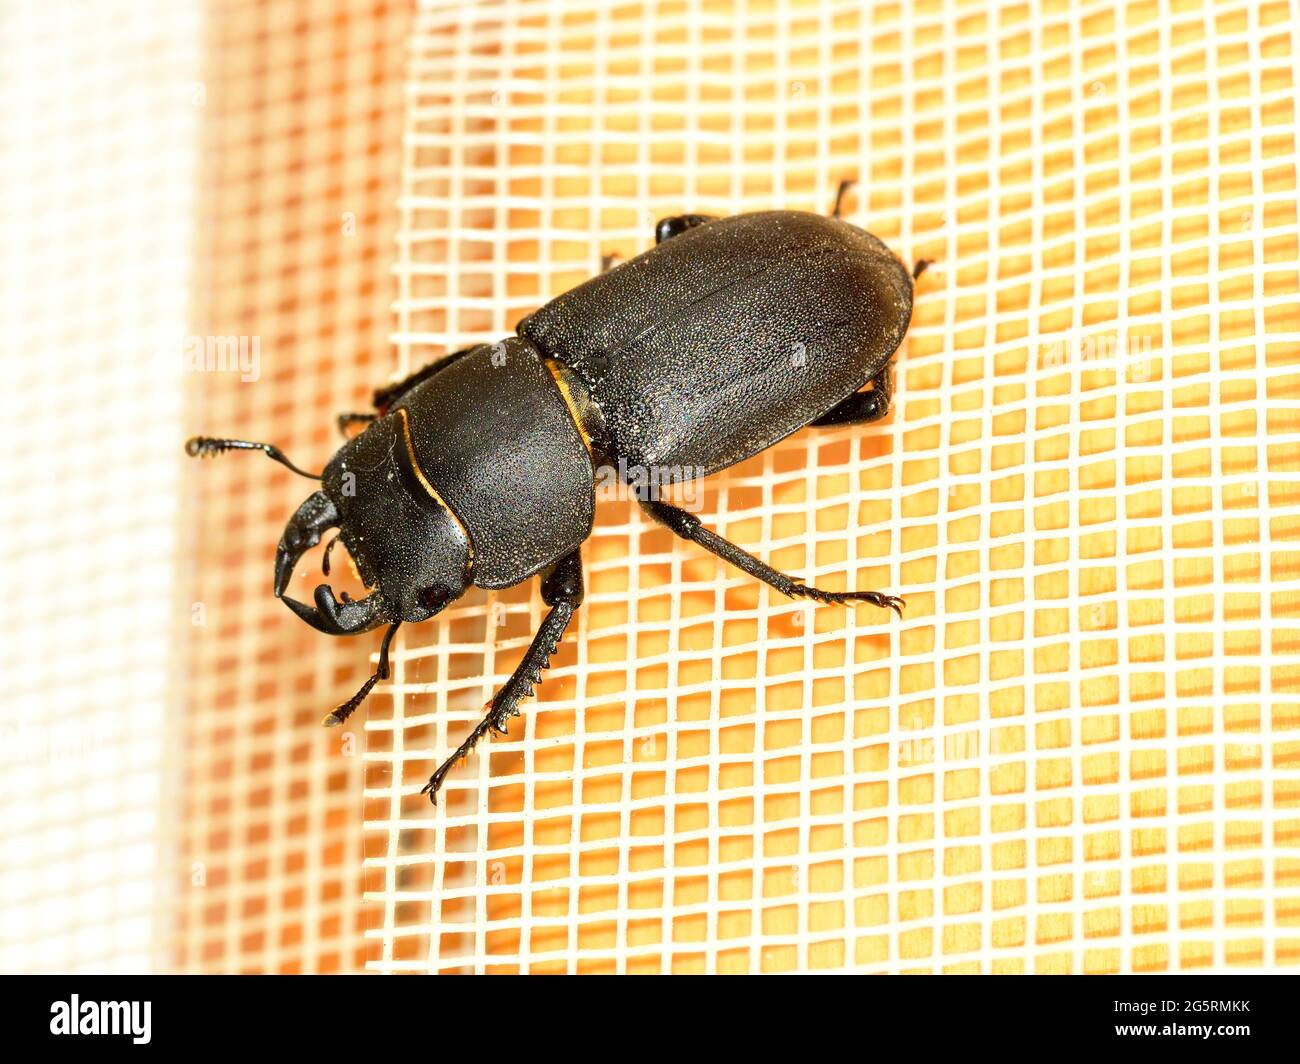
(862, 408)
(391, 393)
(341, 712)
(346, 421)
(667, 228)
(840, 192)
(562, 590)
(688, 527)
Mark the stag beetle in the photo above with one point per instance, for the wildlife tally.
(479, 469)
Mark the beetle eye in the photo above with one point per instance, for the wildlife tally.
(435, 597)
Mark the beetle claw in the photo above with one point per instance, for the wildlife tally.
(335, 618)
(309, 614)
(304, 530)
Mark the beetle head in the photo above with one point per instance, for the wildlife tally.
(408, 546)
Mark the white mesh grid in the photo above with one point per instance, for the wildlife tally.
(1077, 751)
(301, 156)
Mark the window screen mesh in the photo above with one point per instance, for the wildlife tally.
(1079, 751)
(301, 158)
(97, 203)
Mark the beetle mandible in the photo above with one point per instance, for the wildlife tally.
(479, 469)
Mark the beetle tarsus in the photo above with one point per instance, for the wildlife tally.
(921, 266)
(341, 712)
(463, 751)
(844, 598)
(688, 526)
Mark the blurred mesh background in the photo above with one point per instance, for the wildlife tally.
(1079, 752)
(301, 163)
(97, 201)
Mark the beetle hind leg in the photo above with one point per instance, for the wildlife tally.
(862, 408)
(688, 526)
(562, 590)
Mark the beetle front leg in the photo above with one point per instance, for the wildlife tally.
(562, 590)
(346, 421)
(386, 396)
(688, 527)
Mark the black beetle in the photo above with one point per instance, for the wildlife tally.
(479, 469)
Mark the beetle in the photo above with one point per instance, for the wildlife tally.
(479, 469)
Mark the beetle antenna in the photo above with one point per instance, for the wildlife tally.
(341, 713)
(204, 446)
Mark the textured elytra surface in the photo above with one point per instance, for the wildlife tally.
(721, 341)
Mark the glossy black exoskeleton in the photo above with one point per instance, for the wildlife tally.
(480, 469)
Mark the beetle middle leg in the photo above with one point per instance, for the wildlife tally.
(837, 211)
(688, 526)
(562, 590)
(862, 408)
(667, 228)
